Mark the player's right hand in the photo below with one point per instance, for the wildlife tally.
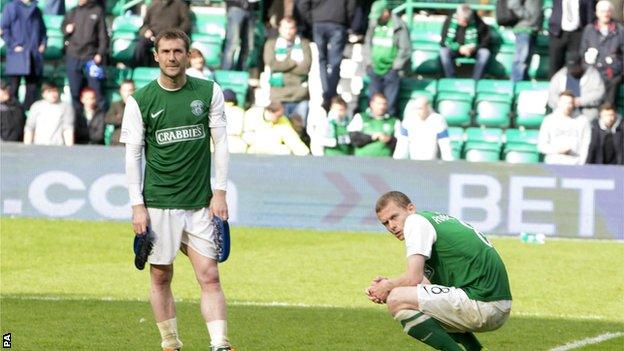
(140, 219)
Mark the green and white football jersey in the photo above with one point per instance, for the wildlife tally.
(457, 255)
(174, 127)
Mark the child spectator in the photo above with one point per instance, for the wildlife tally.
(51, 122)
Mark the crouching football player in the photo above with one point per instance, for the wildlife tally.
(455, 282)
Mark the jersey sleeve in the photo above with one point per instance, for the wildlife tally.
(419, 235)
(132, 130)
(217, 108)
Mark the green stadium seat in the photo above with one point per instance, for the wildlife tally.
(411, 88)
(530, 109)
(493, 102)
(210, 47)
(454, 100)
(521, 146)
(55, 45)
(483, 144)
(456, 134)
(235, 80)
(425, 37)
(52, 22)
(144, 75)
(114, 76)
(130, 24)
(2, 48)
(210, 23)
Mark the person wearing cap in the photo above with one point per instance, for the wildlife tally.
(602, 46)
(269, 132)
(584, 82)
(464, 34)
(388, 49)
(235, 116)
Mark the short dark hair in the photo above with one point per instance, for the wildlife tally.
(397, 197)
(338, 101)
(275, 106)
(49, 85)
(607, 106)
(567, 93)
(87, 90)
(171, 34)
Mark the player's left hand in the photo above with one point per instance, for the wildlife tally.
(218, 205)
(378, 291)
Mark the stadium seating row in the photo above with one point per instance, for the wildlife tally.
(492, 144)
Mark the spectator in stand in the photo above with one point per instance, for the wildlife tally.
(235, 118)
(270, 132)
(114, 116)
(239, 34)
(374, 132)
(89, 124)
(465, 34)
(618, 12)
(51, 121)
(289, 57)
(565, 28)
(86, 39)
(24, 35)
(584, 82)
(330, 20)
(11, 115)
(197, 65)
(602, 46)
(607, 138)
(336, 139)
(161, 15)
(424, 133)
(388, 50)
(564, 138)
(529, 13)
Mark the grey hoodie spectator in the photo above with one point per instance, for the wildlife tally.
(530, 14)
(603, 47)
(585, 83)
(387, 50)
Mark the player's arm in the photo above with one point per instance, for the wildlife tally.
(132, 134)
(218, 132)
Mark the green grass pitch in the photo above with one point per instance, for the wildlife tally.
(70, 285)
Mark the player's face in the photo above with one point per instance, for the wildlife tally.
(393, 218)
(172, 57)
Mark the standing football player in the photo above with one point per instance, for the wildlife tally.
(455, 282)
(172, 118)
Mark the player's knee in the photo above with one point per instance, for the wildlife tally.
(209, 280)
(393, 302)
(161, 275)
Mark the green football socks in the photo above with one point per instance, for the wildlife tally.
(426, 329)
(468, 340)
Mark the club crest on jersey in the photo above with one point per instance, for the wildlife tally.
(197, 107)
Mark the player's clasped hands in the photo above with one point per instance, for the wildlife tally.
(377, 292)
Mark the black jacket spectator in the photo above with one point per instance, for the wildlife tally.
(13, 119)
(606, 146)
(91, 132)
(483, 31)
(89, 36)
(335, 11)
(586, 14)
(167, 14)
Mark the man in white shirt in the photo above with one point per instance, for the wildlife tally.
(563, 138)
(51, 121)
(424, 133)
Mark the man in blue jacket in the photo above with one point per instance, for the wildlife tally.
(24, 34)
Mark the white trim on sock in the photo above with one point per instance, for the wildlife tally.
(218, 333)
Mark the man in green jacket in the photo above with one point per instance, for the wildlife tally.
(374, 132)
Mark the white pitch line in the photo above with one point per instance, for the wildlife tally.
(588, 341)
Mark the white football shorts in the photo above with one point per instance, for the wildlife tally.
(172, 228)
(458, 313)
